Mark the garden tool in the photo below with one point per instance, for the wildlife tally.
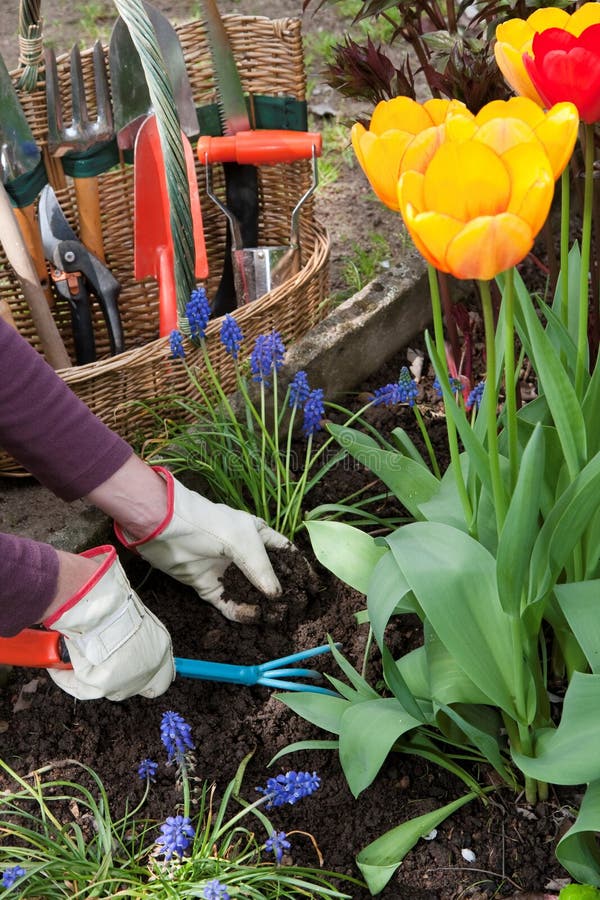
(153, 240)
(39, 648)
(258, 270)
(81, 134)
(241, 179)
(131, 98)
(23, 172)
(75, 270)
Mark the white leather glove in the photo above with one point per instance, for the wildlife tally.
(116, 645)
(199, 539)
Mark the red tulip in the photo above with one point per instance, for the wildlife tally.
(564, 66)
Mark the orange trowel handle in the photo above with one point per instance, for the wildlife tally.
(34, 648)
(263, 147)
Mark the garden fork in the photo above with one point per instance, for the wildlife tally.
(81, 134)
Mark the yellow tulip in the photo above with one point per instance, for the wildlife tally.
(556, 129)
(515, 36)
(386, 148)
(479, 203)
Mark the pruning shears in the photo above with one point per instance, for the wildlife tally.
(40, 648)
(76, 272)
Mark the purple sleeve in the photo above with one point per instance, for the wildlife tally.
(54, 435)
(28, 578)
(47, 428)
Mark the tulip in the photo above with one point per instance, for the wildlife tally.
(514, 38)
(478, 205)
(401, 133)
(564, 66)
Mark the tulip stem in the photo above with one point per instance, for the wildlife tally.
(510, 387)
(438, 330)
(586, 241)
(565, 212)
(491, 404)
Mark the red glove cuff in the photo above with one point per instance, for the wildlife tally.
(111, 555)
(132, 544)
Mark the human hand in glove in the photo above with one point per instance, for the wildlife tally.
(199, 539)
(117, 647)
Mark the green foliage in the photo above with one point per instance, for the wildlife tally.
(64, 837)
(365, 263)
(501, 564)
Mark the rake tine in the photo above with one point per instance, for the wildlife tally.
(54, 107)
(80, 122)
(104, 122)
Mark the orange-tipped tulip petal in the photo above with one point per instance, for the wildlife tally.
(489, 245)
(396, 124)
(481, 200)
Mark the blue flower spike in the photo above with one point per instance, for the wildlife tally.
(289, 788)
(214, 890)
(314, 412)
(231, 336)
(9, 876)
(177, 835)
(475, 397)
(176, 344)
(148, 769)
(405, 390)
(197, 312)
(267, 357)
(299, 389)
(276, 844)
(176, 735)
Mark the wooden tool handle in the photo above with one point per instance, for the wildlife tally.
(20, 260)
(33, 241)
(90, 222)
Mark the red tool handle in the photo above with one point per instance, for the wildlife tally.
(263, 147)
(34, 648)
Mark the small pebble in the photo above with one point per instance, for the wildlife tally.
(431, 836)
(468, 855)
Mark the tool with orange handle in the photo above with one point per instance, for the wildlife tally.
(258, 270)
(41, 649)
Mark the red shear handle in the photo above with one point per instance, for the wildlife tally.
(264, 147)
(34, 648)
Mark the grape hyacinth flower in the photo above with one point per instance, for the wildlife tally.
(455, 386)
(267, 357)
(9, 876)
(409, 386)
(175, 733)
(177, 835)
(231, 336)
(276, 844)
(197, 312)
(388, 395)
(314, 412)
(214, 890)
(148, 769)
(476, 395)
(299, 389)
(289, 788)
(176, 344)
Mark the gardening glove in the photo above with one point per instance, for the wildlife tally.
(117, 647)
(199, 539)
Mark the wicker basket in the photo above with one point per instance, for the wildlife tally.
(270, 59)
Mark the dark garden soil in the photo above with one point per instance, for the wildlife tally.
(513, 843)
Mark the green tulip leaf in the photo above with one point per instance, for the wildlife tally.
(569, 754)
(368, 733)
(454, 580)
(379, 860)
(387, 594)
(321, 709)
(578, 850)
(411, 482)
(579, 603)
(346, 551)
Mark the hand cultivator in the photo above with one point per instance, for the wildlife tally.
(38, 648)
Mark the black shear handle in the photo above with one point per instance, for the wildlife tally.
(71, 287)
